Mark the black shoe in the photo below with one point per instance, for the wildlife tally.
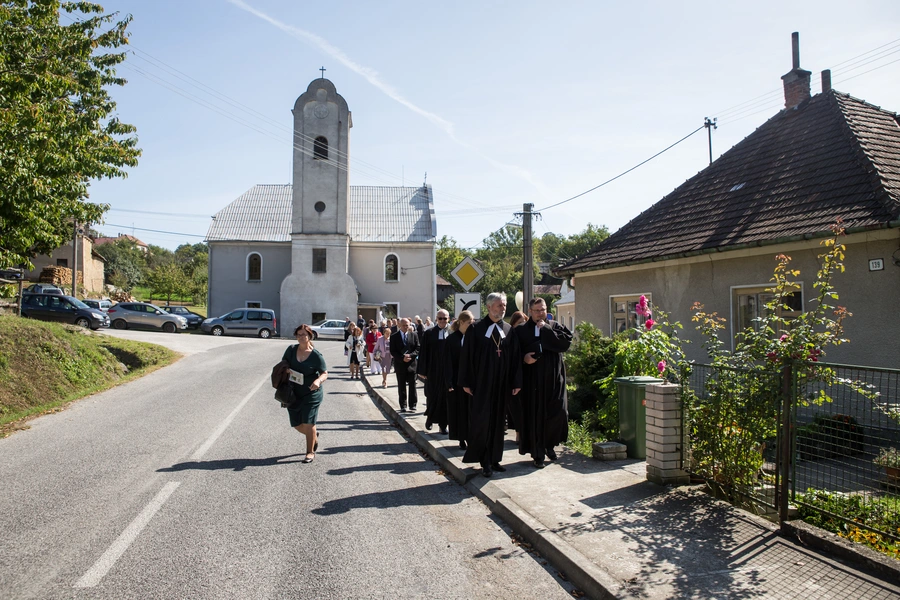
(403, 409)
(486, 471)
(462, 444)
(412, 409)
(538, 464)
(444, 430)
(498, 467)
(551, 454)
(427, 425)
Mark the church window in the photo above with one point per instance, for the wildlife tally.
(391, 264)
(254, 267)
(320, 148)
(318, 265)
(320, 207)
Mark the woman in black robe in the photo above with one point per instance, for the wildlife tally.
(457, 400)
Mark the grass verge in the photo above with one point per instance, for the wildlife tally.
(44, 366)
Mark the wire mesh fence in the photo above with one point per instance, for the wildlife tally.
(847, 446)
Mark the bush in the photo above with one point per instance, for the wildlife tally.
(881, 513)
(588, 360)
(830, 436)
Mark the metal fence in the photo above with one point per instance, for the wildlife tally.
(842, 422)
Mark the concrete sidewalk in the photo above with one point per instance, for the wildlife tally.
(616, 535)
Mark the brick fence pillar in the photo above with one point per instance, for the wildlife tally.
(664, 435)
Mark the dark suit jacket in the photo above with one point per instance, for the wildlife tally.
(398, 349)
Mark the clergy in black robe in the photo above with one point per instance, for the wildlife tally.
(489, 372)
(457, 399)
(545, 418)
(431, 368)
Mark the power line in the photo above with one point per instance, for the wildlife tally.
(153, 230)
(623, 172)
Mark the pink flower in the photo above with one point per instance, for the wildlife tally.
(649, 324)
(642, 309)
(783, 337)
(661, 365)
(772, 356)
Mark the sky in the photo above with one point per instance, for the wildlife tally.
(500, 103)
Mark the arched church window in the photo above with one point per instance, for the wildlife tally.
(254, 267)
(391, 267)
(320, 148)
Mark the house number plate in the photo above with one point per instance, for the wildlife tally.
(876, 264)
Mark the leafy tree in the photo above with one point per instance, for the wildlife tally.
(125, 263)
(168, 280)
(501, 258)
(555, 249)
(446, 256)
(157, 256)
(58, 128)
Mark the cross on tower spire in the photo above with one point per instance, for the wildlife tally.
(323, 72)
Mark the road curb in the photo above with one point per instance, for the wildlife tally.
(578, 569)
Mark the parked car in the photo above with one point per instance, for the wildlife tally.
(193, 318)
(142, 314)
(62, 309)
(43, 288)
(103, 304)
(329, 328)
(243, 321)
(11, 274)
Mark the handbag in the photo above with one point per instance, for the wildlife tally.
(377, 355)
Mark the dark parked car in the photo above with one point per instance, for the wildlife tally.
(193, 318)
(243, 321)
(142, 314)
(43, 288)
(62, 309)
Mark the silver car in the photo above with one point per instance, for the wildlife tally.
(329, 328)
(142, 314)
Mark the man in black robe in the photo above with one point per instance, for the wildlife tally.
(404, 347)
(433, 370)
(545, 418)
(489, 371)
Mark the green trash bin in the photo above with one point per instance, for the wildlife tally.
(633, 413)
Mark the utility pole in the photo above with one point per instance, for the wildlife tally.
(527, 255)
(75, 258)
(710, 125)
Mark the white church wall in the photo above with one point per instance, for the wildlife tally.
(228, 270)
(415, 289)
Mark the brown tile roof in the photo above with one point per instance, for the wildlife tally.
(832, 156)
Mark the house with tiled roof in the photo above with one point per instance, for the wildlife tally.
(714, 238)
(320, 248)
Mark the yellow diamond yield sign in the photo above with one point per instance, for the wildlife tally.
(467, 273)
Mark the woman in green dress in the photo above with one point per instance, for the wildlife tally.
(308, 372)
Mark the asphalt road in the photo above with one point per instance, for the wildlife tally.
(187, 484)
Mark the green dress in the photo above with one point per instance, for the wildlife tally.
(306, 409)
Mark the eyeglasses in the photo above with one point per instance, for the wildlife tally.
(442, 318)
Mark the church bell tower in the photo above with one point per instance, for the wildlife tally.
(319, 283)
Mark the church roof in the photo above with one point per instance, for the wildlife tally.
(377, 214)
(833, 156)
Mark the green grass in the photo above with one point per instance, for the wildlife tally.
(44, 366)
(879, 512)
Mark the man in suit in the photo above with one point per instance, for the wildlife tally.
(405, 351)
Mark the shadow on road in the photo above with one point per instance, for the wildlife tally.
(231, 464)
(426, 495)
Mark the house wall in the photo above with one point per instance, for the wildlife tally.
(228, 285)
(565, 314)
(90, 268)
(415, 290)
(675, 285)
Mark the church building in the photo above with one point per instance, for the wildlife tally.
(320, 248)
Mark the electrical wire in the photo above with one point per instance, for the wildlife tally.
(623, 172)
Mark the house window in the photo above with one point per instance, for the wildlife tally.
(320, 148)
(749, 305)
(623, 312)
(391, 310)
(391, 263)
(254, 267)
(318, 265)
(254, 304)
(62, 262)
(317, 317)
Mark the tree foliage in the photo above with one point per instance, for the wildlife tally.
(446, 256)
(58, 127)
(168, 280)
(556, 249)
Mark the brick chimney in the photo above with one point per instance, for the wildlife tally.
(796, 81)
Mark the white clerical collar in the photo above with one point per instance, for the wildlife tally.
(537, 331)
(499, 330)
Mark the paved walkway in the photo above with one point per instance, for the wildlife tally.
(616, 535)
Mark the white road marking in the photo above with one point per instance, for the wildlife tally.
(118, 547)
(224, 425)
